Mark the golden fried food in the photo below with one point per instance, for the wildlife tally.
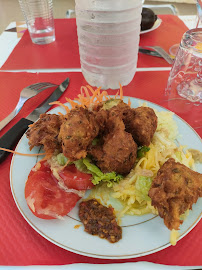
(174, 190)
(121, 109)
(45, 132)
(110, 109)
(117, 151)
(101, 118)
(141, 123)
(77, 132)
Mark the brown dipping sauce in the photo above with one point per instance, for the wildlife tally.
(99, 220)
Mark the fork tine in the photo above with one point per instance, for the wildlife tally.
(40, 85)
(25, 94)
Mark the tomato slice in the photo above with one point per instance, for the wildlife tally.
(75, 179)
(40, 166)
(44, 196)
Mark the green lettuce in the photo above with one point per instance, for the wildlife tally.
(81, 166)
(142, 187)
(85, 165)
(142, 150)
(61, 159)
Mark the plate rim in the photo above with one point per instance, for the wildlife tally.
(136, 255)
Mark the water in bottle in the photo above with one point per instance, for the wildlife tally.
(108, 34)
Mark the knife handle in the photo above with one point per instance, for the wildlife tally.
(10, 138)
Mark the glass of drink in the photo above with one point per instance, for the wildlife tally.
(108, 36)
(39, 19)
(186, 74)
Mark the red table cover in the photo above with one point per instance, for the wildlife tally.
(19, 243)
(64, 52)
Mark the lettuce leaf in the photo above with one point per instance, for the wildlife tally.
(81, 166)
(142, 150)
(85, 165)
(61, 159)
(142, 187)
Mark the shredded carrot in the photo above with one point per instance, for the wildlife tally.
(98, 94)
(95, 94)
(86, 91)
(81, 100)
(72, 103)
(121, 91)
(117, 94)
(60, 104)
(105, 94)
(90, 88)
(129, 102)
(21, 154)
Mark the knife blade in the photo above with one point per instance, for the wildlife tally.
(10, 138)
(149, 52)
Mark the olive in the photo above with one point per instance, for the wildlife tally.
(148, 19)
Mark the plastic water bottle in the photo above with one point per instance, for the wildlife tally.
(108, 34)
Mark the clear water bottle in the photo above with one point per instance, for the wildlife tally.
(108, 34)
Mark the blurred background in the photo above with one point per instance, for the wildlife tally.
(10, 9)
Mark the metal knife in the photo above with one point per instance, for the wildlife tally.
(10, 138)
(149, 52)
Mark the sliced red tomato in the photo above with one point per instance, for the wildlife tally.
(44, 196)
(75, 179)
(40, 166)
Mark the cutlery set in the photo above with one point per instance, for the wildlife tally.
(10, 138)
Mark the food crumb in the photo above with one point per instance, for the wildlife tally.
(77, 226)
(196, 154)
(174, 235)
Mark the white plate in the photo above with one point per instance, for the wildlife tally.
(141, 235)
(154, 27)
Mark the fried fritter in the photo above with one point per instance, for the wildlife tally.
(110, 109)
(45, 132)
(118, 151)
(121, 110)
(77, 132)
(141, 123)
(174, 190)
(101, 118)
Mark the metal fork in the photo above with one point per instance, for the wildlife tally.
(162, 52)
(26, 93)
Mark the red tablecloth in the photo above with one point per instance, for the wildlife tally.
(19, 243)
(64, 52)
